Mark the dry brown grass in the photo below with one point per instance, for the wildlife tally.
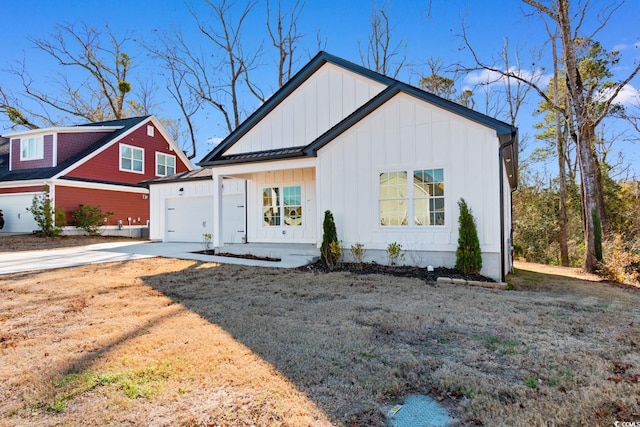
(170, 342)
(33, 242)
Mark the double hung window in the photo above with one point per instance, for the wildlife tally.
(165, 164)
(31, 148)
(131, 158)
(282, 206)
(412, 198)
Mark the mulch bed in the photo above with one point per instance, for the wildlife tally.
(396, 270)
(369, 268)
(242, 256)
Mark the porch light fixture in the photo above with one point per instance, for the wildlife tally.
(181, 191)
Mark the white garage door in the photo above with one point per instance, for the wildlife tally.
(188, 218)
(17, 219)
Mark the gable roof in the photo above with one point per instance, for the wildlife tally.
(121, 126)
(507, 133)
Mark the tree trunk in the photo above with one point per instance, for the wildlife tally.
(585, 137)
(590, 196)
(563, 234)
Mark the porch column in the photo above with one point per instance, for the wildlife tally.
(218, 241)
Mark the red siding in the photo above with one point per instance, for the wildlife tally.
(122, 204)
(106, 165)
(70, 144)
(45, 162)
(21, 189)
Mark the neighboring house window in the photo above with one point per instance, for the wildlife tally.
(131, 158)
(31, 148)
(287, 198)
(150, 130)
(422, 199)
(165, 164)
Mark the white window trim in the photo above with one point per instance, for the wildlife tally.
(37, 139)
(120, 159)
(410, 195)
(151, 130)
(158, 154)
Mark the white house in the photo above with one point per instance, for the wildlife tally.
(389, 160)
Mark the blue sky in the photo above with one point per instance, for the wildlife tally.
(430, 30)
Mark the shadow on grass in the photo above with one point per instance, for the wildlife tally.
(347, 341)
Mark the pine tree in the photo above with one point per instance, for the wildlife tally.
(468, 255)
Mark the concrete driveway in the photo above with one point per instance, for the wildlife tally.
(16, 262)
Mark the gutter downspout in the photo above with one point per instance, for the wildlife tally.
(503, 144)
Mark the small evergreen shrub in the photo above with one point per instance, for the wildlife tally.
(206, 241)
(468, 255)
(90, 218)
(329, 253)
(394, 253)
(48, 218)
(357, 252)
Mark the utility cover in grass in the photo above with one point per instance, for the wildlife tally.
(418, 411)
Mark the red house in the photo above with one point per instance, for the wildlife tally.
(98, 164)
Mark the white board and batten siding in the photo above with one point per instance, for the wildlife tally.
(321, 102)
(258, 231)
(409, 134)
(184, 216)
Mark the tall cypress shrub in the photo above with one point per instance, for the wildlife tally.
(468, 255)
(329, 235)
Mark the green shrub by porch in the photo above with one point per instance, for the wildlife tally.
(468, 255)
(329, 237)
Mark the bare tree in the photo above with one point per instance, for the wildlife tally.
(285, 37)
(579, 114)
(438, 84)
(100, 94)
(381, 54)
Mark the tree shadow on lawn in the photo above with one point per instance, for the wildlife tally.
(334, 335)
(353, 342)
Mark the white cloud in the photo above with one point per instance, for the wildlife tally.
(629, 95)
(625, 46)
(487, 77)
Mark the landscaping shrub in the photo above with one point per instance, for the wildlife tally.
(468, 255)
(394, 253)
(90, 218)
(48, 218)
(358, 252)
(330, 251)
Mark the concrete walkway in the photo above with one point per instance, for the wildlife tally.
(16, 262)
